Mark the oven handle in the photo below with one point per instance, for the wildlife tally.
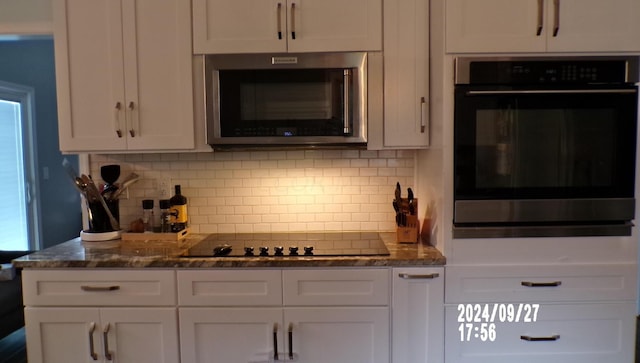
(581, 91)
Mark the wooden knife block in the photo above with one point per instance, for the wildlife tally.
(410, 232)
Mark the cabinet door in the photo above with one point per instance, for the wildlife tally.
(494, 26)
(239, 26)
(406, 73)
(589, 333)
(89, 74)
(417, 315)
(334, 25)
(62, 335)
(223, 335)
(140, 335)
(157, 73)
(357, 334)
(594, 25)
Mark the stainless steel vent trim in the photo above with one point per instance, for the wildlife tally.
(622, 229)
(544, 210)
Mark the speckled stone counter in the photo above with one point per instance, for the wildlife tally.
(161, 254)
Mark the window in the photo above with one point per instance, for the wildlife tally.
(18, 209)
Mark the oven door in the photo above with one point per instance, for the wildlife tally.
(527, 157)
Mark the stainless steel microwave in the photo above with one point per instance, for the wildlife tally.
(285, 100)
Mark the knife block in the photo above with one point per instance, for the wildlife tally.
(410, 232)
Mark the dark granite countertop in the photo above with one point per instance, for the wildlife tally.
(162, 254)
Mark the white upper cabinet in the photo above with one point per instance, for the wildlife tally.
(124, 75)
(406, 74)
(475, 26)
(262, 26)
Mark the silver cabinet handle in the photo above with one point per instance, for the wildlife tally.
(540, 17)
(423, 115)
(279, 17)
(541, 284)
(116, 119)
(556, 17)
(132, 130)
(99, 288)
(105, 337)
(291, 341)
(540, 339)
(413, 277)
(346, 114)
(275, 342)
(293, 21)
(92, 351)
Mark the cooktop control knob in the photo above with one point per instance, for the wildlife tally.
(308, 250)
(278, 251)
(293, 251)
(264, 251)
(248, 251)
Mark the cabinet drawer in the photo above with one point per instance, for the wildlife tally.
(336, 287)
(585, 333)
(230, 287)
(541, 283)
(80, 287)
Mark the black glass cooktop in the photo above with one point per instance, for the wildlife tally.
(290, 244)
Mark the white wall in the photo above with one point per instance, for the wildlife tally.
(25, 17)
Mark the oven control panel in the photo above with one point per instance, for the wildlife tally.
(531, 72)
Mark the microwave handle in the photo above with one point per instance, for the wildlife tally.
(346, 116)
(574, 91)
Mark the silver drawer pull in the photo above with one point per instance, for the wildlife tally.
(541, 284)
(540, 339)
(105, 337)
(99, 288)
(426, 276)
(92, 350)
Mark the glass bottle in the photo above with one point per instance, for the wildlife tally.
(179, 219)
(147, 215)
(165, 216)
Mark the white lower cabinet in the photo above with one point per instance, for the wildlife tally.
(338, 316)
(310, 335)
(585, 333)
(540, 313)
(131, 335)
(417, 315)
(124, 316)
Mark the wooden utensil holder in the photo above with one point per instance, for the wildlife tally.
(410, 232)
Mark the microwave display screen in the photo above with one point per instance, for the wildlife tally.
(283, 102)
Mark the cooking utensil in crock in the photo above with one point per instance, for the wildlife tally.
(94, 194)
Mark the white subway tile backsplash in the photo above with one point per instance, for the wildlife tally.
(272, 191)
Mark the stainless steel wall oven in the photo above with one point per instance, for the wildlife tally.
(545, 147)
